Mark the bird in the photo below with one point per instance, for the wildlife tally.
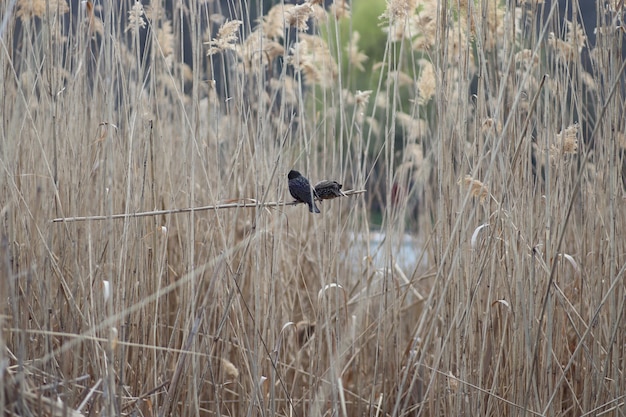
(328, 189)
(301, 190)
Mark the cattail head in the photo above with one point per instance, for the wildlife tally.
(565, 143)
(477, 188)
(226, 37)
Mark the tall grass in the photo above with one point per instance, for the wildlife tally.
(479, 117)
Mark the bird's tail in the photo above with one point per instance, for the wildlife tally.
(313, 208)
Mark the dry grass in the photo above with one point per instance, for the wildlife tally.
(516, 306)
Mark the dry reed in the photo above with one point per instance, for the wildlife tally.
(482, 119)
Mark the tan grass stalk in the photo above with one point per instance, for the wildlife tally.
(223, 206)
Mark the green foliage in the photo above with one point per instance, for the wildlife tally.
(194, 287)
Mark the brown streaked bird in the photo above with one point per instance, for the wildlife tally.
(327, 190)
(301, 190)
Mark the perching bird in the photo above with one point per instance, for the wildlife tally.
(301, 190)
(327, 190)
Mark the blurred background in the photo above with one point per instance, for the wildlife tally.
(479, 273)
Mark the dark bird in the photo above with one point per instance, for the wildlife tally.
(327, 190)
(301, 190)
